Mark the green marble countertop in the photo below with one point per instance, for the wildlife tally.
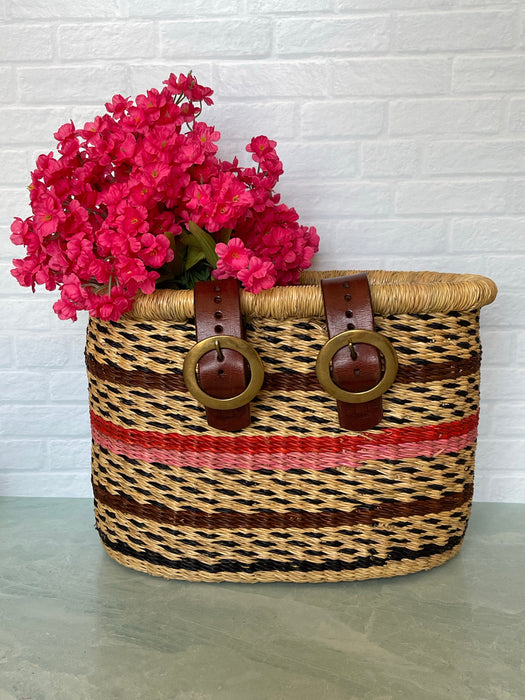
(75, 625)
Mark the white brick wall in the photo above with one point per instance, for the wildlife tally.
(401, 124)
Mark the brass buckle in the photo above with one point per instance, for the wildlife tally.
(349, 338)
(189, 371)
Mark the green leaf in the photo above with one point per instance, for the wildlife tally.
(225, 235)
(193, 256)
(199, 275)
(204, 241)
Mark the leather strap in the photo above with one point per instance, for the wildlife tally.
(218, 312)
(348, 306)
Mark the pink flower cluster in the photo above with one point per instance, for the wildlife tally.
(110, 208)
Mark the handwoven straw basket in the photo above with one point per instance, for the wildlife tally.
(293, 497)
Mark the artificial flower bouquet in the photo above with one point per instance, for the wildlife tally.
(138, 199)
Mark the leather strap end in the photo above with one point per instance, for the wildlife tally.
(348, 306)
(217, 312)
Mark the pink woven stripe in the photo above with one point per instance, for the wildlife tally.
(291, 460)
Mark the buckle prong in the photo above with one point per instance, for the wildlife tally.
(218, 350)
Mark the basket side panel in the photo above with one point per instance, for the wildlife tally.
(293, 497)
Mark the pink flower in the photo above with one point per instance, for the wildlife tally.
(24, 271)
(257, 276)
(163, 222)
(67, 140)
(233, 256)
(130, 270)
(230, 200)
(20, 231)
(118, 105)
(155, 250)
(111, 307)
(271, 166)
(66, 131)
(65, 310)
(260, 146)
(49, 169)
(160, 141)
(138, 193)
(189, 153)
(72, 298)
(124, 148)
(151, 104)
(133, 220)
(197, 195)
(48, 215)
(116, 242)
(206, 135)
(188, 86)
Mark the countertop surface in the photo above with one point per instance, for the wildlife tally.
(75, 625)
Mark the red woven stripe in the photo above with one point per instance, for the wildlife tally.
(252, 444)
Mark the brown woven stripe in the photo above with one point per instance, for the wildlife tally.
(135, 378)
(282, 381)
(346, 544)
(272, 520)
(407, 374)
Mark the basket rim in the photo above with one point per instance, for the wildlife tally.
(392, 292)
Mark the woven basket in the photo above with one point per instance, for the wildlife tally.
(293, 497)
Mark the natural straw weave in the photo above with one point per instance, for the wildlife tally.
(293, 497)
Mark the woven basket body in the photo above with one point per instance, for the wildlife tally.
(293, 497)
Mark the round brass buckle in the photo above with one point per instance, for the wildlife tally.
(349, 338)
(218, 343)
